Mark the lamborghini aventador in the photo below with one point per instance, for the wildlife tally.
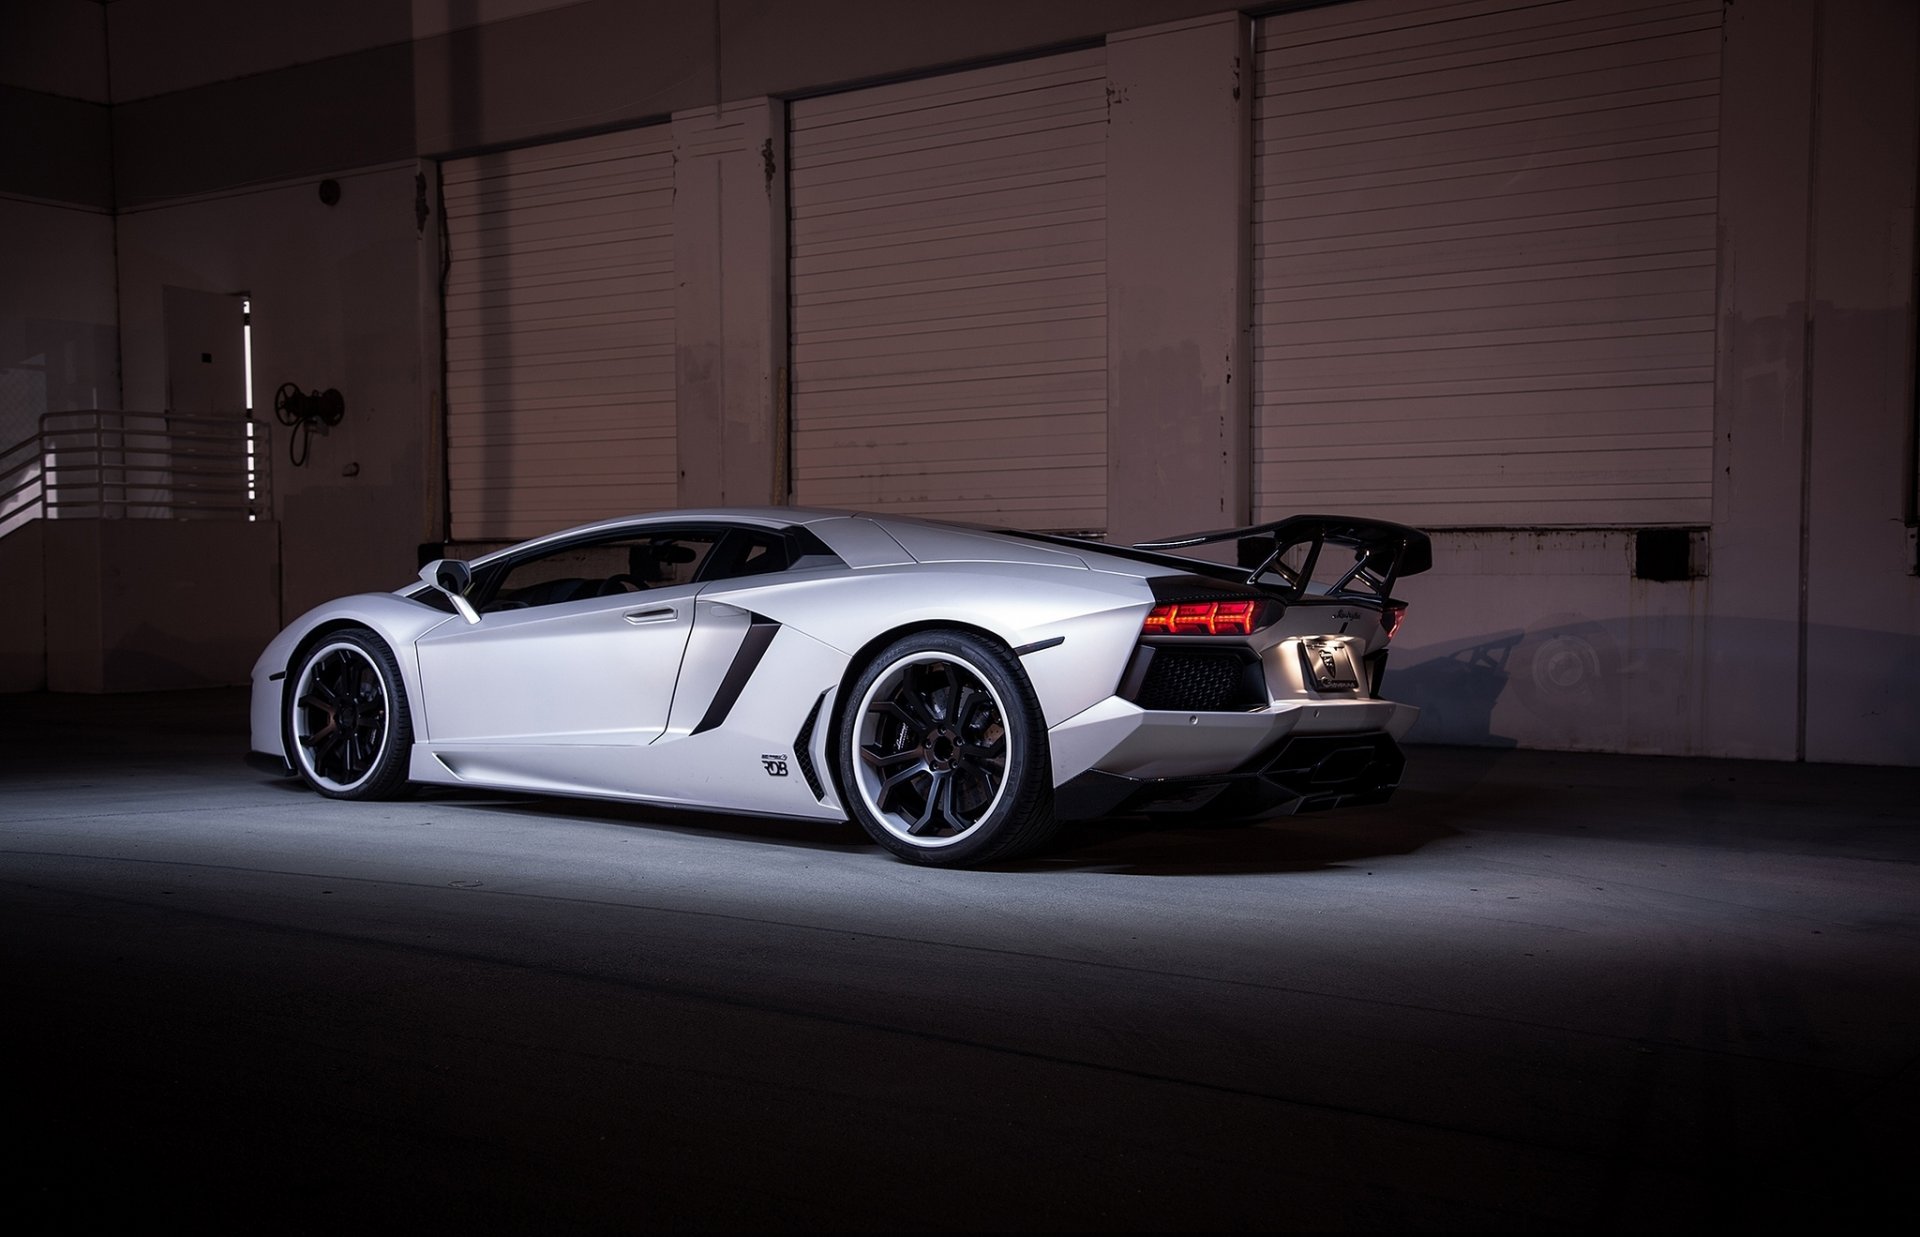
(957, 691)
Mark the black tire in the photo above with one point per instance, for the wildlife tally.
(348, 731)
(943, 752)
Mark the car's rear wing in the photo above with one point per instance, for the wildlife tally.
(1382, 552)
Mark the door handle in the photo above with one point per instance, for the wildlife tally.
(659, 614)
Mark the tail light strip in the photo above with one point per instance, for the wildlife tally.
(1203, 618)
(1234, 618)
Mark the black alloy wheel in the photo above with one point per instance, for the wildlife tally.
(943, 751)
(348, 728)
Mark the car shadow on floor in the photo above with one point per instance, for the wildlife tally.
(1126, 846)
(811, 834)
(1147, 846)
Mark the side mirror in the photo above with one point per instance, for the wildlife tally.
(452, 578)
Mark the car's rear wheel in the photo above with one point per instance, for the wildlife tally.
(347, 725)
(943, 751)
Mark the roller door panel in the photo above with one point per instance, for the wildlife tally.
(915, 292)
(559, 316)
(1425, 28)
(948, 291)
(1485, 261)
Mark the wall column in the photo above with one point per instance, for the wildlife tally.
(1751, 671)
(730, 261)
(1863, 600)
(1179, 159)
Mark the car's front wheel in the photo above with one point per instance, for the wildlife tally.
(943, 751)
(347, 725)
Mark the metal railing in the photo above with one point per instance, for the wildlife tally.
(137, 465)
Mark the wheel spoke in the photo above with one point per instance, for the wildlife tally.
(880, 759)
(948, 803)
(915, 717)
(951, 694)
(980, 752)
(962, 779)
(901, 778)
(966, 700)
(327, 747)
(936, 792)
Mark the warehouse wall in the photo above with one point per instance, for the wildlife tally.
(1802, 639)
(57, 332)
(336, 293)
(1797, 639)
(1862, 623)
(56, 200)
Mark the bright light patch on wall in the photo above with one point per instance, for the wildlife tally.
(246, 350)
(246, 354)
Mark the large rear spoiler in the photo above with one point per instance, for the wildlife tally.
(1382, 552)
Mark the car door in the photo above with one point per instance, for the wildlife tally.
(579, 645)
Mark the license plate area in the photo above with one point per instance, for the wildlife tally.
(1327, 665)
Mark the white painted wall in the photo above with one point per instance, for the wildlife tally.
(158, 46)
(58, 47)
(1179, 151)
(1545, 640)
(23, 618)
(730, 321)
(144, 605)
(1863, 598)
(57, 348)
(336, 303)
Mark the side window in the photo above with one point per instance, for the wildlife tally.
(763, 554)
(747, 552)
(668, 559)
(605, 568)
(758, 552)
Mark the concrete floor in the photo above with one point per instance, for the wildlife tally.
(1537, 991)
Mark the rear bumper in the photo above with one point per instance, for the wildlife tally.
(1302, 773)
(1118, 736)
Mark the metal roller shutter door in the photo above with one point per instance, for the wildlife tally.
(559, 334)
(949, 295)
(1484, 248)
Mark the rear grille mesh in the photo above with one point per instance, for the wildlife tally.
(1198, 681)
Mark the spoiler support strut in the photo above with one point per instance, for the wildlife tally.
(1383, 552)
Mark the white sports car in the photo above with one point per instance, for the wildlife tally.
(955, 690)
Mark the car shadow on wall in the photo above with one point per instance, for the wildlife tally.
(1640, 683)
(1566, 682)
(1456, 692)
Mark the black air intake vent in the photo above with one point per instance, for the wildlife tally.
(803, 751)
(1210, 680)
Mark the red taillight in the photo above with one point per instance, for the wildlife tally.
(1203, 618)
(1390, 616)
